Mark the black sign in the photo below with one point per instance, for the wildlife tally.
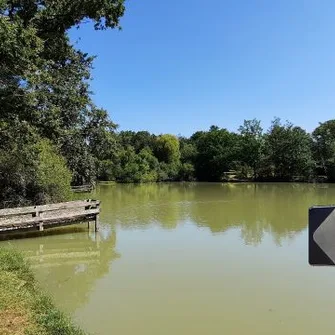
(322, 235)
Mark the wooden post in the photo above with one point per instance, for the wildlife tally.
(96, 222)
(88, 225)
(40, 225)
(97, 219)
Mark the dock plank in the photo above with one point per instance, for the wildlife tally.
(85, 215)
(45, 208)
(47, 216)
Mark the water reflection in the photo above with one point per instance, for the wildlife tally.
(186, 246)
(69, 262)
(255, 209)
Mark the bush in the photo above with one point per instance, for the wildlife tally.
(107, 170)
(53, 178)
(168, 172)
(33, 174)
(137, 168)
(187, 172)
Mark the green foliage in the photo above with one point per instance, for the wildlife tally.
(188, 151)
(79, 158)
(284, 153)
(287, 151)
(51, 319)
(167, 148)
(53, 178)
(13, 262)
(217, 151)
(48, 120)
(138, 168)
(18, 162)
(99, 134)
(324, 148)
(251, 144)
(44, 85)
(168, 172)
(138, 140)
(107, 170)
(33, 173)
(143, 140)
(243, 171)
(187, 172)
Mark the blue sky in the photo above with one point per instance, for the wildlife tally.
(183, 65)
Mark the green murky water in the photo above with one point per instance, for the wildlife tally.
(191, 259)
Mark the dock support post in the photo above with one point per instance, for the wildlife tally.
(88, 225)
(96, 222)
(40, 225)
(97, 219)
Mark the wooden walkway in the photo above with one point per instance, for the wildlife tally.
(49, 216)
(82, 188)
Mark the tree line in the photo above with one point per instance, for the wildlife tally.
(52, 135)
(284, 152)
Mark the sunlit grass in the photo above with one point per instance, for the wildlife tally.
(24, 309)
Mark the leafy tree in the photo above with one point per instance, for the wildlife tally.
(142, 140)
(147, 155)
(217, 151)
(78, 157)
(126, 138)
(44, 80)
(53, 178)
(188, 154)
(251, 144)
(188, 150)
(48, 119)
(137, 168)
(100, 137)
(148, 166)
(168, 171)
(324, 148)
(138, 140)
(287, 151)
(18, 158)
(186, 172)
(108, 170)
(167, 148)
(32, 172)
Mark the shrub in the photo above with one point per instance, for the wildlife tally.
(33, 174)
(53, 178)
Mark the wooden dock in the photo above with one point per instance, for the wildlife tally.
(82, 188)
(49, 216)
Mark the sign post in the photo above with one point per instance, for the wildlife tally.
(321, 235)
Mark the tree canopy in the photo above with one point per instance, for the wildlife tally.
(44, 81)
(53, 135)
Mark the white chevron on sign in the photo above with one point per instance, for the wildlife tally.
(324, 236)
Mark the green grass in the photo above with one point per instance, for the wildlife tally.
(24, 308)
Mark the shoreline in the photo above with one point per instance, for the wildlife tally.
(235, 181)
(24, 307)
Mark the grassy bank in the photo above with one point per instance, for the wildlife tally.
(24, 309)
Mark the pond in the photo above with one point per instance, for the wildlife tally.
(191, 258)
